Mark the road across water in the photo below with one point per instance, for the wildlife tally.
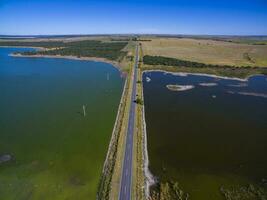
(126, 180)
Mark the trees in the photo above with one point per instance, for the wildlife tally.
(85, 48)
(160, 60)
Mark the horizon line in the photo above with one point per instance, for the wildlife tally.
(129, 34)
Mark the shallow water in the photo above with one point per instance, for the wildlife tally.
(208, 137)
(57, 153)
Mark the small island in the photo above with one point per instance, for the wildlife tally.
(179, 87)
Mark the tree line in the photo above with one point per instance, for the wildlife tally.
(85, 48)
(160, 60)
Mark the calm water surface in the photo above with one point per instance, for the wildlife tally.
(57, 153)
(207, 137)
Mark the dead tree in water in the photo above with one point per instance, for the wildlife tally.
(84, 113)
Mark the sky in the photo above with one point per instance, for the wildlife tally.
(213, 17)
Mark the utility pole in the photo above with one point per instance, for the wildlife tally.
(84, 113)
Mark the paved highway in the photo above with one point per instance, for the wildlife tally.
(126, 179)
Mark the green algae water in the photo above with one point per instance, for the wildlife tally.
(209, 135)
(56, 152)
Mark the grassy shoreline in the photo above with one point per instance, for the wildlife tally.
(140, 189)
(240, 74)
(116, 64)
(39, 48)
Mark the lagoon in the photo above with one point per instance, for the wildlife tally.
(56, 152)
(211, 137)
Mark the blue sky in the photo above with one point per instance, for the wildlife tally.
(228, 17)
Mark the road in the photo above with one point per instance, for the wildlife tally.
(126, 179)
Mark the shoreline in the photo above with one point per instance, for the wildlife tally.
(149, 178)
(112, 142)
(38, 48)
(199, 74)
(93, 59)
(115, 125)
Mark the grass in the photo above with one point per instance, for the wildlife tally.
(138, 153)
(249, 192)
(207, 51)
(205, 56)
(169, 191)
(253, 42)
(126, 62)
(164, 63)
